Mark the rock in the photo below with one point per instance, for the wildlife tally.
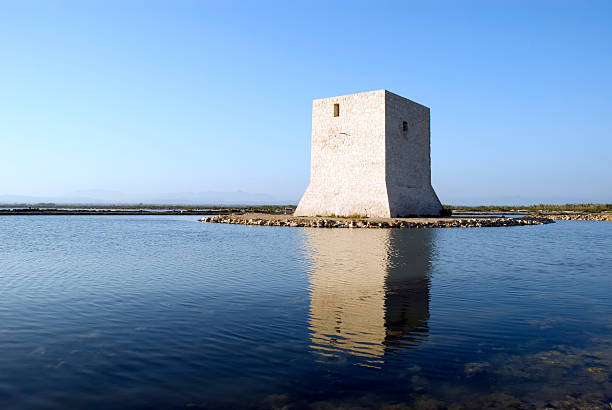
(595, 370)
(392, 223)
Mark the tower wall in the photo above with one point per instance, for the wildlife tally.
(408, 160)
(347, 172)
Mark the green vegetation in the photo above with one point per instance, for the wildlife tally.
(590, 208)
(351, 216)
(446, 211)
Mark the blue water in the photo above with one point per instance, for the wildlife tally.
(168, 312)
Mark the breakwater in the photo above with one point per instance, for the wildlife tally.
(108, 212)
(580, 217)
(334, 222)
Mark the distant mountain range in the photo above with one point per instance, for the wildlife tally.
(103, 197)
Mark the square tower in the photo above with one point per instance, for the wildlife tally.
(370, 156)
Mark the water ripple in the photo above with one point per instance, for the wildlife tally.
(164, 311)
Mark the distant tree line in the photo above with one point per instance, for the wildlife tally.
(593, 208)
(229, 208)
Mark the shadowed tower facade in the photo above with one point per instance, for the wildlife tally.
(370, 156)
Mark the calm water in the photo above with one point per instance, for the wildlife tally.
(165, 311)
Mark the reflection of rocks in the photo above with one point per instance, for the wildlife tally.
(593, 401)
(490, 401)
(584, 374)
(562, 378)
(472, 369)
(428, 402)
(550, 322)
(276, 401)
(599, 374)
(369, 291)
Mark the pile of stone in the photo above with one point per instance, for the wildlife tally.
(581, 217)
(364, 223)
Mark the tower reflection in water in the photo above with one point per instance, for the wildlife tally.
(369, 291)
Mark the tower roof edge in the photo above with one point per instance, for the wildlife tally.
(382, 90)
(347, 95)
(404, 98)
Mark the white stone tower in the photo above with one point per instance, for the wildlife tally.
(370, 157)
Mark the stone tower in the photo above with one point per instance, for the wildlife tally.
(370, 156)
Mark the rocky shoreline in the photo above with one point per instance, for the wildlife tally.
(579, 217)
(328, 222)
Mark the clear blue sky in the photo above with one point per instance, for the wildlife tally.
(149, 97)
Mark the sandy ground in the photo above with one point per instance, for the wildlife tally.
(276, 217)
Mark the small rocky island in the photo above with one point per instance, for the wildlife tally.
(262, 219)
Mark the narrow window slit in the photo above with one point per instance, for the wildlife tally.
(336, 110)
(405, 126)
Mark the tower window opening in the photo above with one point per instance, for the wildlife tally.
(336, 110)
(405, 126)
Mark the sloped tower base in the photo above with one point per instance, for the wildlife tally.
(421, 201)
(318, 200)
(405, 203)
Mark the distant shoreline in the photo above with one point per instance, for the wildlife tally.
(285, 211)
(107, 212)
(137, 209)
(282, 208)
